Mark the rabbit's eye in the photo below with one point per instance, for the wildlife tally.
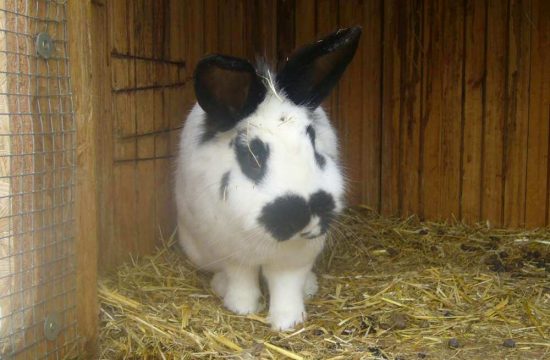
(252, 157)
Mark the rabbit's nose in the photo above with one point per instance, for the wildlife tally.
(285, 216)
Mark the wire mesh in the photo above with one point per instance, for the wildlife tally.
(37, 174)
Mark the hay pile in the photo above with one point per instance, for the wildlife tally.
(390, 289)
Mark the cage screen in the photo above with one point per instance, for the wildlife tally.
(37, 174)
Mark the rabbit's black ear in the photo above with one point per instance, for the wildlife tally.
(228, 90)
(312, 71)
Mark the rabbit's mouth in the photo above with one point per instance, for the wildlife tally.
(309, 235)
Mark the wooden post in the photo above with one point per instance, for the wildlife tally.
(86, 96)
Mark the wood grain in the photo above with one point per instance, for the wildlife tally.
(434, 114)
(391, 105)
(537, 201)
(411, 20)
(81, 21)
(372, 101)
(517, 116)
(351, 92)
(472, 122)
(495, 114)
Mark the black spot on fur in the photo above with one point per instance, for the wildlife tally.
(319, 159)
(285, 216)
(311, 133)
(223, 185)
(322, 204)
(252, 158)
(207, 134)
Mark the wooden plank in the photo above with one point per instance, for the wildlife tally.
(194, 38)
(391, 77)
(432, 88)
(372, 111)
(305, 21)
(327, 22)
(495, 105)
(350, 98)
(517, 115)
(537, 202)
(82, 20)
(451, 102)
(124, 215)
(160, 16)
(144, 221)
(138, 35)
(410, 30)
(285, 29)
(474, 86)
(164, 199)
(176, 45)
(119, 34)
(211, 25)
(261, 30)
(231, 28)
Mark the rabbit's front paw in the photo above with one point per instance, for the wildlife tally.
(287, 319)
(311, 286)
(242, 302)
(219, 283)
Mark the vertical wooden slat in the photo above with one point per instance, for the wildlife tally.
(538, 166)
(81, 21)
(432, 128)
(148, 13)
(211, 25)
(285, 28)
(372, 100)
(119, 34)
(124, 214)
(495, 105)
(410, 115)
(327, 21)
(158, 9)
(474, 85)
(451, 102)
(231, 27)
(517, 115)
(305, 21)
(350, 96)
(176, 19)
(261, 30)
(391, 76)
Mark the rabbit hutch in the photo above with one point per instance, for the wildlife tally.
(443, 118)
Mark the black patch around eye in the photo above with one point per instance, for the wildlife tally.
(223, 185)
(285, 216)
(322, 204)
(252, 158)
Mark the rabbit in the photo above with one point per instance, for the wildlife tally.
(258, 178)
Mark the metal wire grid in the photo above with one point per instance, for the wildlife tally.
(37, 174)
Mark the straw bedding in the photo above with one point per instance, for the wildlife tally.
(389, 289)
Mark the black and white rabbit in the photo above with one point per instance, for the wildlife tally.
(258, 177)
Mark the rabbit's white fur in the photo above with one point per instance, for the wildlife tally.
(221, 233)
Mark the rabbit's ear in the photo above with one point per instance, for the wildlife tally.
(228, 90)
(312, 71)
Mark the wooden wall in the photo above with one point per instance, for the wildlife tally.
(443, 112)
